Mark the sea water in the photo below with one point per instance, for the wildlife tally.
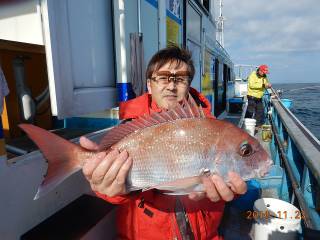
(306, 103)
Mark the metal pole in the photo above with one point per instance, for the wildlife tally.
(162, 24)
(139, 17)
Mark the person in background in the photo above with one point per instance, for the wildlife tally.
(257, 84)
(151, 214)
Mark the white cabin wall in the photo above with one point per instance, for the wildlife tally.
(150, 31)
(80, 56)
(212, 10)
(20, 21)
(208, 78)
(131, 26)
(201, 40)
(20, 178)
(18, 185)
(194, 40)
(90, 30)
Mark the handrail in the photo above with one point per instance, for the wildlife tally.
(307, 143)
(299, 151)
(295, 184)
(222, 49)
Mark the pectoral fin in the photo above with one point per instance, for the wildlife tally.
(181, 186)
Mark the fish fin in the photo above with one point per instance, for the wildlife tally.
(196, 109)
(188, 109)
(184, 185)
(197, 188)
(133, 188)
(202, 115)
(62, 156)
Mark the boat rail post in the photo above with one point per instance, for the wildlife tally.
(124, 86)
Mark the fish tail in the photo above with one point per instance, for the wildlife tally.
(63, 156)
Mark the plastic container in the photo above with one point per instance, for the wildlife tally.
(287, 103)
(266, 133)
(249, 125)
(275, 219)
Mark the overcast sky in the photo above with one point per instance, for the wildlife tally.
(284, 34)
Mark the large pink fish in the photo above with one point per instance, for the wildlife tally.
(170, 151)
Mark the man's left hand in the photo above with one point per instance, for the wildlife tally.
(216, 189)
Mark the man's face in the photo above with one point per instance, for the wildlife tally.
(167, 96)
(261, 73)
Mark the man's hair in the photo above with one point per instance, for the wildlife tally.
(174, 55)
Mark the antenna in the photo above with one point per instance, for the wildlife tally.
(220, 22)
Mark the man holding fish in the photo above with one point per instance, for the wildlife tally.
(152, 214)
(170, 167)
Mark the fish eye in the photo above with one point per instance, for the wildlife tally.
(245, 149)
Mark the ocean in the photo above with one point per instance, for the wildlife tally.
(306, 103)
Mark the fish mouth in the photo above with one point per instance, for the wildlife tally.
(265, 169)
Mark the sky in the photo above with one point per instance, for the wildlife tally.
(284, 34)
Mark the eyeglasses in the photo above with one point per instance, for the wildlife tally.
(165, 77)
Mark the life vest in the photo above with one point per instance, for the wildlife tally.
(150, 214)
(256, 85)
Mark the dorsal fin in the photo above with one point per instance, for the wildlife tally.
(188, 109)
(193, 106)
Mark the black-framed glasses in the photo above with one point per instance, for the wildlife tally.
(181, 78)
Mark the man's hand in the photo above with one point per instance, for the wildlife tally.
(216, 189)
(106, 172)
(268, 85)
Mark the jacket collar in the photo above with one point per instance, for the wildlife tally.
(143, 104)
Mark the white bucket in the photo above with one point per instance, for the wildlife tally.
(276, 219)
(249, 125)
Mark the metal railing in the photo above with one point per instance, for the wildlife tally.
(296, 149)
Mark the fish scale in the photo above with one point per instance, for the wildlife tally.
(176, 150)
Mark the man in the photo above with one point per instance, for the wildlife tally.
(257, 83)
(151, 214)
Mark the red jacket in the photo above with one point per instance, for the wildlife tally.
(150, 214)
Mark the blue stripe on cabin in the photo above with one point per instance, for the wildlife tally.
(153, 3)
(125, 91)
(173, 17)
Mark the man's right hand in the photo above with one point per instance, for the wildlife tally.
(106, 172)
(268, 85)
